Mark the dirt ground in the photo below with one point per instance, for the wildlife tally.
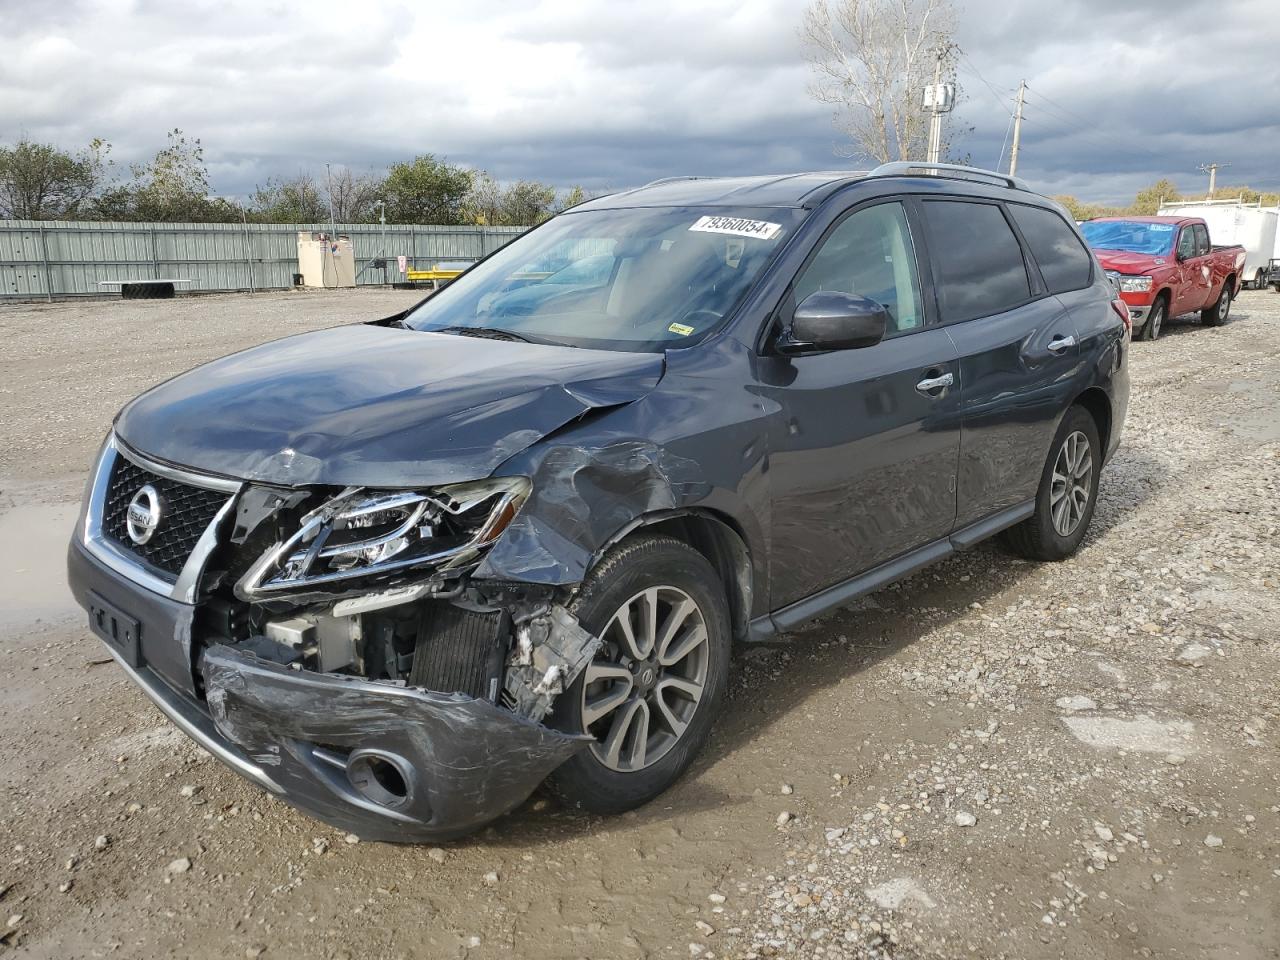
(992, 759)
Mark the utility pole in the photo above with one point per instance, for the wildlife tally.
(1212, 170)
(328, 176)
(1017, 129)
(935, 119)
(939, 99)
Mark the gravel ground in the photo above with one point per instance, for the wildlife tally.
(992, 759)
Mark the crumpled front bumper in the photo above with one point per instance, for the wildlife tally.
(464, 761)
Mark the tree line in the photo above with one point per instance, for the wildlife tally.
(41, 181)
(1148, 200)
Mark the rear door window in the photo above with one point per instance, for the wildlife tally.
(977, 260)
(1064, 262)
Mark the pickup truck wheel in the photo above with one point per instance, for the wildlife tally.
(649, 697)
(1067, 495)
(1155, 320)
(1216, 315)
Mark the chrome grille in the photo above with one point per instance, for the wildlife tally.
(188, 511)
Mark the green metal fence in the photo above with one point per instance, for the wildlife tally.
(48, 259)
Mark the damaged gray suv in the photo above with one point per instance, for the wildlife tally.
(401, 573)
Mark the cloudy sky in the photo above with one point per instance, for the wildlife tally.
(610, 94)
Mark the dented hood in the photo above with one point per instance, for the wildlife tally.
(1123, 261)
(376, 406)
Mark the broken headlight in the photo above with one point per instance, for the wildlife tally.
(369, 533)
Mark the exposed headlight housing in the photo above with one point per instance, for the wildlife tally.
(369, 533)
(1134, 284)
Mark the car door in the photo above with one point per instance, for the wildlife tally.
(1017, 347)
(863, 450)
(1189, 294)
(1205, 277)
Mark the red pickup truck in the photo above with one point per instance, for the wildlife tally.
(1165, 267)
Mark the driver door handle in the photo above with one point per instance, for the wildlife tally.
(930, 384)
(1058, 344)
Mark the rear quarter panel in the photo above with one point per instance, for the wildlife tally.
(1104, 354)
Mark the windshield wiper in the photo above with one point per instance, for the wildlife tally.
(485, 333)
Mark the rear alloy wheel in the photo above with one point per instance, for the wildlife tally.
(650, 695)
(1155, 320)
(1216, 315)
(1067, 495)
(1071, 483)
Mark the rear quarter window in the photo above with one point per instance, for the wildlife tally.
(1064, 262)
(977, 260)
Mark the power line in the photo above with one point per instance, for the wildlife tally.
(1001, 101)
(1060, 107)
(1088, 133)
(1093, 139)
(1007, 129)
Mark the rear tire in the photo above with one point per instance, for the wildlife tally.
(1216, 315)
(1067, 495)
(657, 588)
(1155, 320)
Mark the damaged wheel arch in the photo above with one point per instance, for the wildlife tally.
(719, 540)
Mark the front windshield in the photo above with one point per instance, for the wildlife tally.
(1131, 236)
(638, 279)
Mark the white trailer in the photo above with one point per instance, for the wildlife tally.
(1232, 221)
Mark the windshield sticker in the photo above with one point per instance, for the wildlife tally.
(681, 329)
(737, 227)
(1160, 227)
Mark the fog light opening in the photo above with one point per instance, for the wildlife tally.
(378, 777)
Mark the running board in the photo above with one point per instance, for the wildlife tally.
(767, 628)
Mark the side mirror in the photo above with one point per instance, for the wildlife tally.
(828, 320)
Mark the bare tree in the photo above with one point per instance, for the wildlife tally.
(353, 196)
(484, 201)
(872, 59)
(296, 200)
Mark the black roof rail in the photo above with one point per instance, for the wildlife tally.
(955, 171)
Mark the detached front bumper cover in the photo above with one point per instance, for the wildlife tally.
(463, 761)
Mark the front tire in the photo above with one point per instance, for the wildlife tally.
(1155, 320)
(652, 692)
(1216, 315)
(1067, 495)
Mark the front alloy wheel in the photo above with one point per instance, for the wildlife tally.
(640, 694)
(1155, 320)
(648, 698)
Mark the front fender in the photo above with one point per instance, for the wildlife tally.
(581, 497)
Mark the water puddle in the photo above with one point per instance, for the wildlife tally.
(33, 563)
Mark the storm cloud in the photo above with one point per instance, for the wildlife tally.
(614, 94)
